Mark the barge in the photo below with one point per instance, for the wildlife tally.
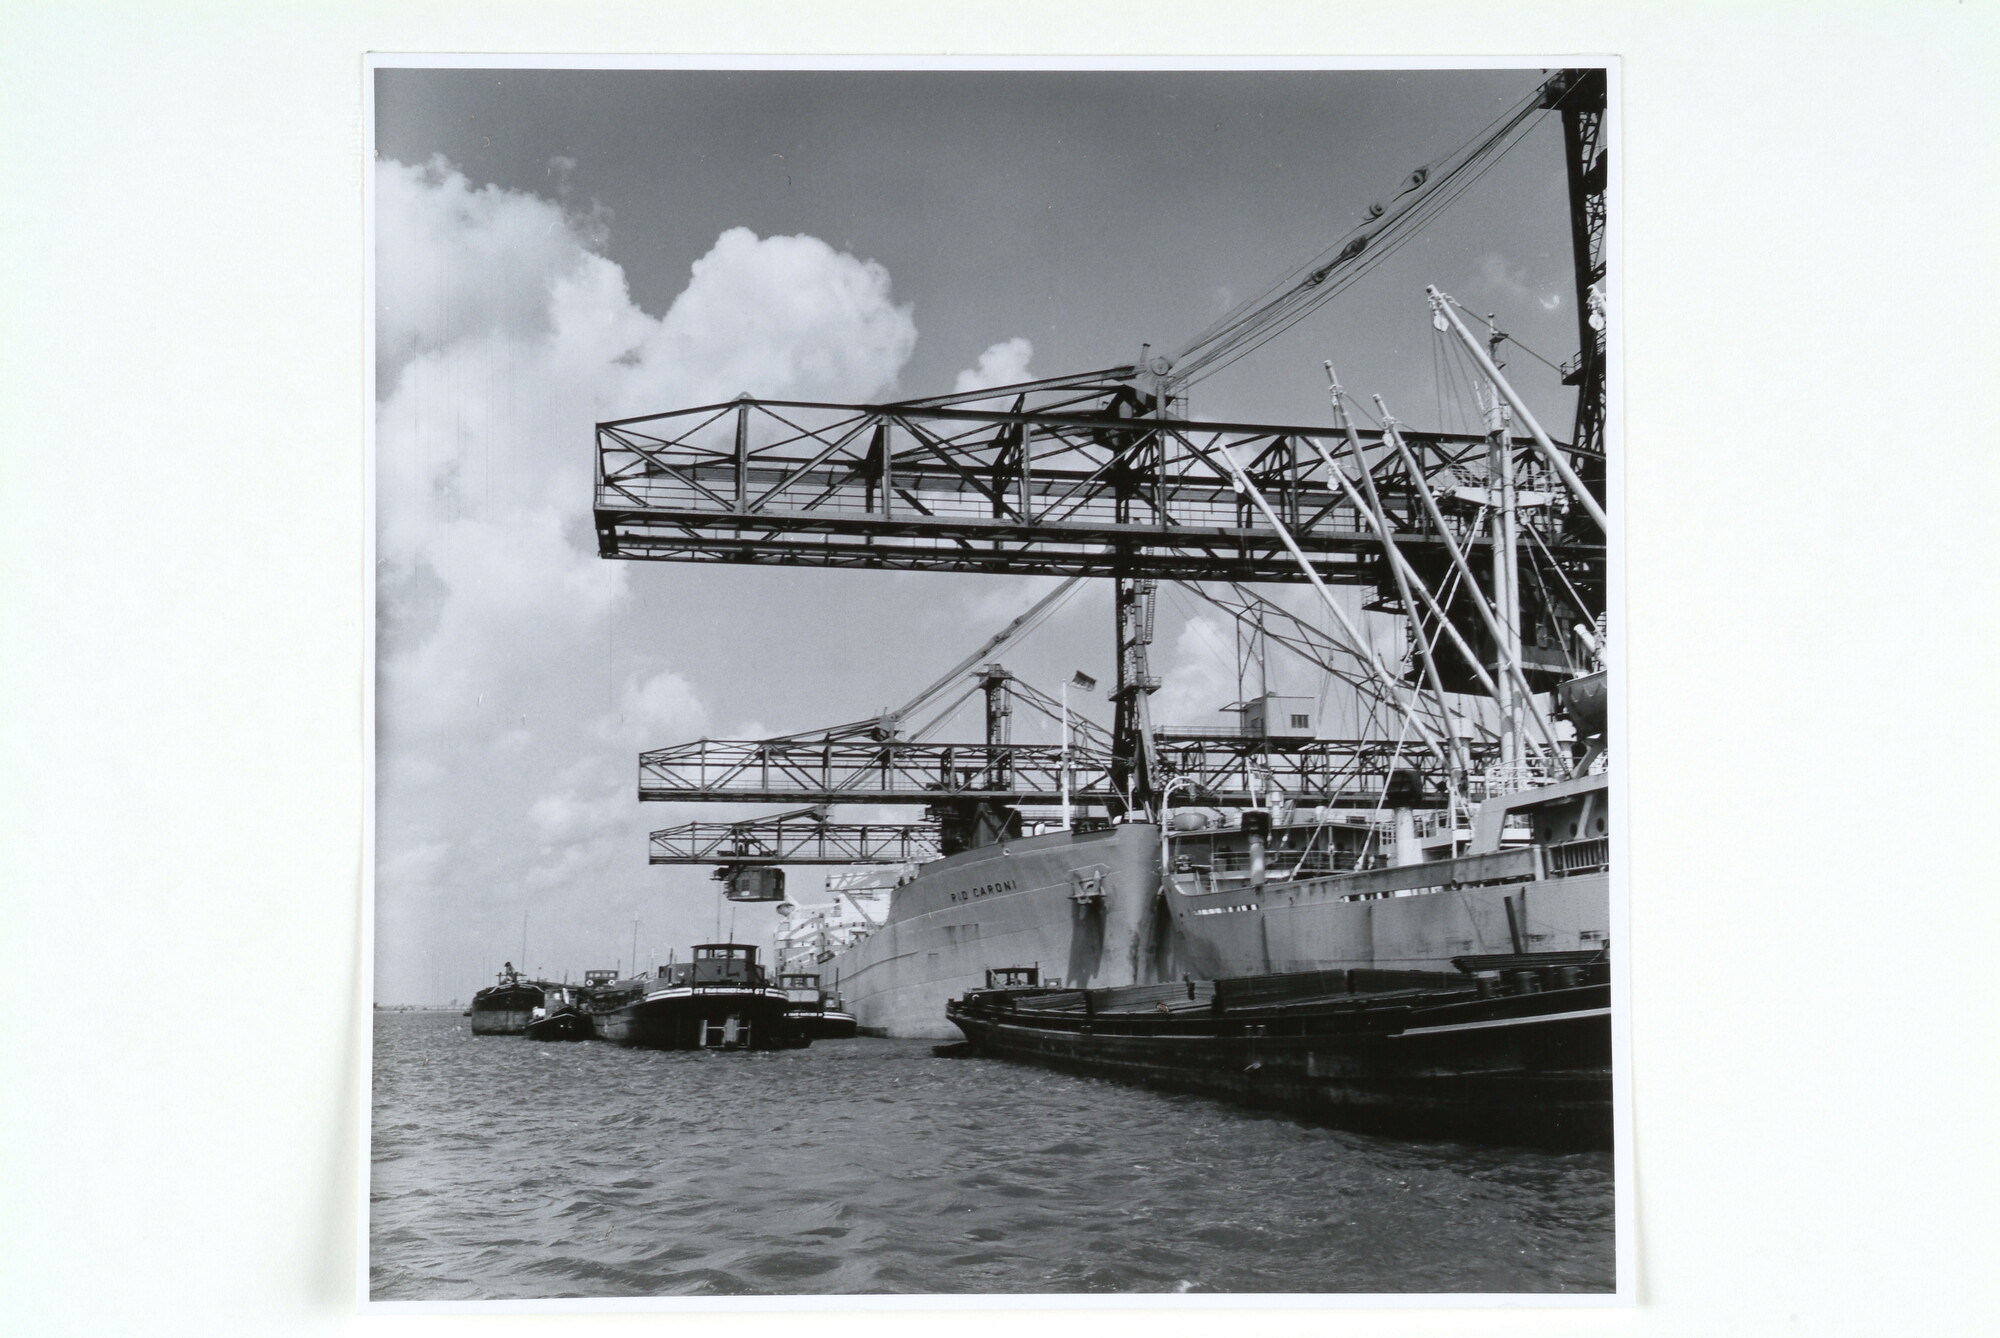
(719, 1000)
(1512, 1048)
(505, 1008)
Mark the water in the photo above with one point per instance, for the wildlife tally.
(506, 1168)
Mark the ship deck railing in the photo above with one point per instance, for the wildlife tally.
(716, 986)
(1302, 863)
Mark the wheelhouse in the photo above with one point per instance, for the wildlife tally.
(717, 964)
(1012, 977)
(802, 988)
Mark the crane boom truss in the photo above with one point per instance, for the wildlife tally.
(1224, 767)
(1086, 475)
(972, 489)
(789, 838)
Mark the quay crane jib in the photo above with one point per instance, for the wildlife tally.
(1101, 474)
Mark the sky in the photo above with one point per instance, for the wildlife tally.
(556, 248)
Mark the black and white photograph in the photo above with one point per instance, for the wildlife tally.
(998, 668)
(994, 682)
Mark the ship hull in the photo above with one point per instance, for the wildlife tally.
(504, 1010)
(1309, 926)
(1080, 907)
(701, 1019)
(826, 1025)
(1535, 1069)
(567, 1024)
(1020, 903)
(500, 1021)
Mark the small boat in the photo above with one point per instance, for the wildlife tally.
(506, 1008)
(719, 1000)
(1510, 1047)
(812, 1011)
(563, 1016)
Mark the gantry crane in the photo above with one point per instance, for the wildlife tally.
(1097, 474)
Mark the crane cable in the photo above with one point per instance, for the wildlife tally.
(1243, 315)
(1027, 622)
(1430, 189)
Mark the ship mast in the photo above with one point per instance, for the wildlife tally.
(1371, 509)
(1134, 762)
(1506, 555)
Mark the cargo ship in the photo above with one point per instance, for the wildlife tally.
(1229, 895)
(505, 1008)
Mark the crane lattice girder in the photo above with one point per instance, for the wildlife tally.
(866, 771)
(790, 839)
(1218, 765)
(1340, 773)
(941, 488)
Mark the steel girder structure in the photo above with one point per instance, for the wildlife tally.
(1088, 487)
(795, 838)
(869, 771)
(1223, 768)
(1232, 770)
(1580, 96)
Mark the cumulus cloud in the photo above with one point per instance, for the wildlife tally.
(651, 711)
(503, 334)
(1002, 364)
(1501, 276)
(781, 316)
(1198, 675)
(456, 263)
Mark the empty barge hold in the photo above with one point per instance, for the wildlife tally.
(1510, 1048)
(721, 1000)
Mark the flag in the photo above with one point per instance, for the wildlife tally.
(1084, 681)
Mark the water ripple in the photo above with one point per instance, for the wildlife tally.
(504, 1169)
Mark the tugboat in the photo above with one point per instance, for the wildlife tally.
(719, 1000)
(812, 1012)
(505, 1009)
(1513, 1047)
(563, 1016)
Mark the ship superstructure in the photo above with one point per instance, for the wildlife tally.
(855, 905)
(1469, 816)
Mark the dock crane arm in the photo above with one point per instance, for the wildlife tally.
(889, 721)
(1042, 608)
